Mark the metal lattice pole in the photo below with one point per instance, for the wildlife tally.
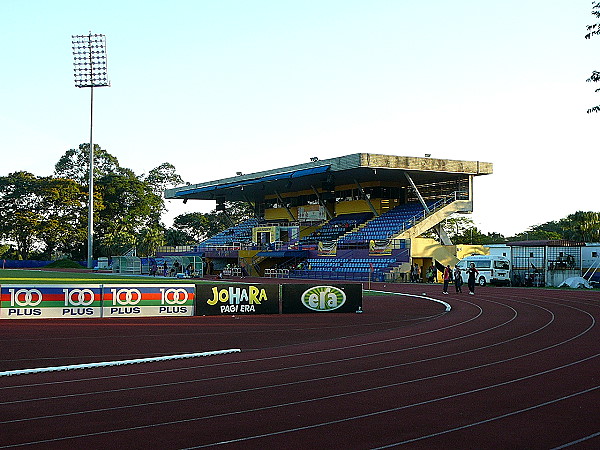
(91, 70)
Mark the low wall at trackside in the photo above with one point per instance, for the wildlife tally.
(155, 300)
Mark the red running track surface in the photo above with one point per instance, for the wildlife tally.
(506, 368)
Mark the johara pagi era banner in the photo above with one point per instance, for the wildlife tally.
(237, 298)
(62, 301)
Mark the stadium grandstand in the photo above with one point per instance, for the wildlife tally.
(354, 217)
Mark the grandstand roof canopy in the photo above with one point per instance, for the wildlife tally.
(343, 170)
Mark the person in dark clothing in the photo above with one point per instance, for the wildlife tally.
(472, 272)
(458, 281)
(447, 278)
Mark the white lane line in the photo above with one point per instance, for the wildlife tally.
(116, 363)
(447, 305)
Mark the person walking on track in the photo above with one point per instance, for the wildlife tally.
(458, 281)
(447, 278)
(472, 272)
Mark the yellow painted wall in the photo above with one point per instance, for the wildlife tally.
(355, 206)
(280, 214)
(425, 247)
(463, 250)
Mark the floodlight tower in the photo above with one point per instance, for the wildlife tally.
(91, 70)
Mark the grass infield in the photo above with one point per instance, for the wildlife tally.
(41, 277)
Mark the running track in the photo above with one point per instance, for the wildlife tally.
(506, 368)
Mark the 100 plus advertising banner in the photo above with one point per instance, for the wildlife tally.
(61, 301)
(130, 300)
(51, 301)
(236, 298)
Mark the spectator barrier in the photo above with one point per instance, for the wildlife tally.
(152, 300)
(99, 300)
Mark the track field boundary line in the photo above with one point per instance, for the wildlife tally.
(447, 305)
(117, 363)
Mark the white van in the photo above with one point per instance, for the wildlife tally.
(492, 269)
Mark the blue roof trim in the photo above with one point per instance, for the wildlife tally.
(278, 176)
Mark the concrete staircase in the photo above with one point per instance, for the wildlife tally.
(435, 218)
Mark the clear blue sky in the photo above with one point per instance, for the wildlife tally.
(216, 87)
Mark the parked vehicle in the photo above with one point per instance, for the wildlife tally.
(492, 269)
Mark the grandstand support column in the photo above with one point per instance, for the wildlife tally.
(439, 229)
(444, 238)
(471, 188)
(414, 186)
(327, 212)
(229, 219)
(364, 196)
(250, 204)
(289, 211)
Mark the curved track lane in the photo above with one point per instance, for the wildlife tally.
(513, 368)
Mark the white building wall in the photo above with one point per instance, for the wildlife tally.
(499, 250)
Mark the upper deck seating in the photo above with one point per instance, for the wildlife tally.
(241, 232)
(386, 225)
(336, 227)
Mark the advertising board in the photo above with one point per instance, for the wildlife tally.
(236, 298)
(50, 301)
(325, 298)
(130, 300)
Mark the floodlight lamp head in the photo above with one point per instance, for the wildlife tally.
(92, 70)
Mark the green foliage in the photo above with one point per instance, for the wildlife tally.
(462, 230)
(149, 239)
(163, 177)
(128, 208)
(199, 226)
(580, 227)
(44, 215)
(74, 164)
(175, 238)
(593, 30)
(20, 212)
(4, 249)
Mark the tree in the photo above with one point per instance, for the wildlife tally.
(63, 219)
(19, 207)
(200, 226)
(127, 206)
(196, 226)
(149, 239)
(462, 230)
(74, 164)
(163, 177)
(176, 238)
(594, 30)
(42, 213)
(581, 226)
